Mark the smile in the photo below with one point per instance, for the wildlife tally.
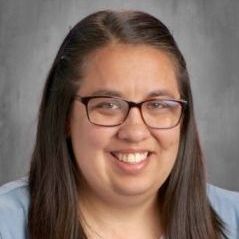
(131, 158)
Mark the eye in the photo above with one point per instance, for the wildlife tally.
(156, 104)
(107, 105)
(161, 104)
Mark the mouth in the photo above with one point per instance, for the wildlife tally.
(131, 158)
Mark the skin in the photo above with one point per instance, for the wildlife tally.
(133, 72)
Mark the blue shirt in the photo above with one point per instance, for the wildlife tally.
(14, 201)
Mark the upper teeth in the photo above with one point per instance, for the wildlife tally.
(131, 157)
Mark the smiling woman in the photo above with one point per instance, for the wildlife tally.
(110, 167)
(117, 153)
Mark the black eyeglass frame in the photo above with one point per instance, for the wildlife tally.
(85, 100)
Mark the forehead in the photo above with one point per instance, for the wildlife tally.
(132, 71)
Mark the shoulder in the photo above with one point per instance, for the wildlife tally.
(14, 195)
(223, 200)
(226, 204)
(14, 202)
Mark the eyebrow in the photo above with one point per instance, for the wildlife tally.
(162, 92)
(113, 93)
(107, 93)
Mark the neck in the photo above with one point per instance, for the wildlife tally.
(111, 218)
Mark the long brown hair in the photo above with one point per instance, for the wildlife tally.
(53, 181)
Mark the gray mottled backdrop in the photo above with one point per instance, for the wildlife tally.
(207, 33)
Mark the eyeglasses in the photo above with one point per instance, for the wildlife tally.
(112, 111)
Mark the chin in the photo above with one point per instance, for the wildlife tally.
(136, 188)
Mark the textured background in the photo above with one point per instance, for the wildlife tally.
(206, 31)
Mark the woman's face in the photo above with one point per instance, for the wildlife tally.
(134, 73)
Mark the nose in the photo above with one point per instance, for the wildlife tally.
(133, 129)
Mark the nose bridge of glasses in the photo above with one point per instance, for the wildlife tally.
(133, 105)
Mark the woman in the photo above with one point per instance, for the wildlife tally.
(117, 153)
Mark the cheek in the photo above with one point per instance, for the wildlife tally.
(168, 142)
(88, 139)
(97, 138)
(168, 139)
(83, 134)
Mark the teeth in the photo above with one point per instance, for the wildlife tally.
(131, 157)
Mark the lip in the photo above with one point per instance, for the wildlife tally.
(131, 150)
(130, 168)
